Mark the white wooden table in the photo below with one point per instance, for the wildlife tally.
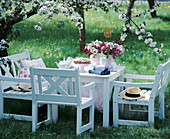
(105, 80)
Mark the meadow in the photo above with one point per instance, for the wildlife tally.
(54, 44)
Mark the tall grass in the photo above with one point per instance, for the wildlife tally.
(53, 44)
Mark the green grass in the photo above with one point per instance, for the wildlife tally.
(53, 44)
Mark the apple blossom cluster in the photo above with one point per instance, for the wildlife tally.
(107, 48)
(3, 44)
(50, 7)
(140, 31)
(12, 7)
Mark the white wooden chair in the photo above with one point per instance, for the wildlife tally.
(57, 95)
(10, 78)
(157, 89)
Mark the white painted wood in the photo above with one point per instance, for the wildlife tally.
(11, 79)
(86, 77)
(71, 86)
(157, 88)
(106, 103)
(133, 76)
(131, 122)
(17, 117)
(1, 101)
(127, 84)
(49, 115)
(55, 94)
(54, 113)
(161, 105)
(87, 86)
(115, 107)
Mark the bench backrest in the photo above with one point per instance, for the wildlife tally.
(55, 78)
(161, 79)
(10, 69)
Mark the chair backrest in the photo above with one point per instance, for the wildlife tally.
(55, 93)
(161, 79)
(10, 69)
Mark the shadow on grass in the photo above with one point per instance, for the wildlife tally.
(164, 18)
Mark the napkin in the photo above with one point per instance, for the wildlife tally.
(100, 71)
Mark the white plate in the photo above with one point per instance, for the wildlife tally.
(81, 65)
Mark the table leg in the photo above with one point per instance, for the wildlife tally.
(106, 103)
(54, 113)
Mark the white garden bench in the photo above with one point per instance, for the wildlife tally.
(10, 78)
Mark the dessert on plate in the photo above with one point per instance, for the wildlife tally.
(82, 61)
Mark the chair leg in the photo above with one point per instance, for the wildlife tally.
(49, 112)
(91, 118)
(1, 107)
(34, 116)
(115, 114)
(151, 113)
(79, 120)
(161, 106)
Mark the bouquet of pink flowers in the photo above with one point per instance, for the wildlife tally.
(107, 48)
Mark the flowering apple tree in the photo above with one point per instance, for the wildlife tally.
(12, 12)
(75, 10)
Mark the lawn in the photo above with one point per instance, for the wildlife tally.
(53, 44)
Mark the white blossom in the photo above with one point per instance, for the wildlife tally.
(131, 27)
(128, 25)
(143, 31)
(142, 25)
(123, 36)
(120, 16)
(152, 44)
(42, 10)
(38, 27)
(120, 47)
(132, 10)
(155, 49)
(148, 34)
(152, 10)
(25, 17)
(162, 45)
(124, 28)
(137, 31)
(140, 37)
(146, 41)
(150, 39)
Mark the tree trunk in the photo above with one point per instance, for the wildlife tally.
(131, 4)
(3, 53)
(151, 4)
(82, 32)
(5, 30)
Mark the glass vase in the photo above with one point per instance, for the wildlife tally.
(101, 59)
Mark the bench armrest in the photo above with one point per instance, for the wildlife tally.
(14, 79)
